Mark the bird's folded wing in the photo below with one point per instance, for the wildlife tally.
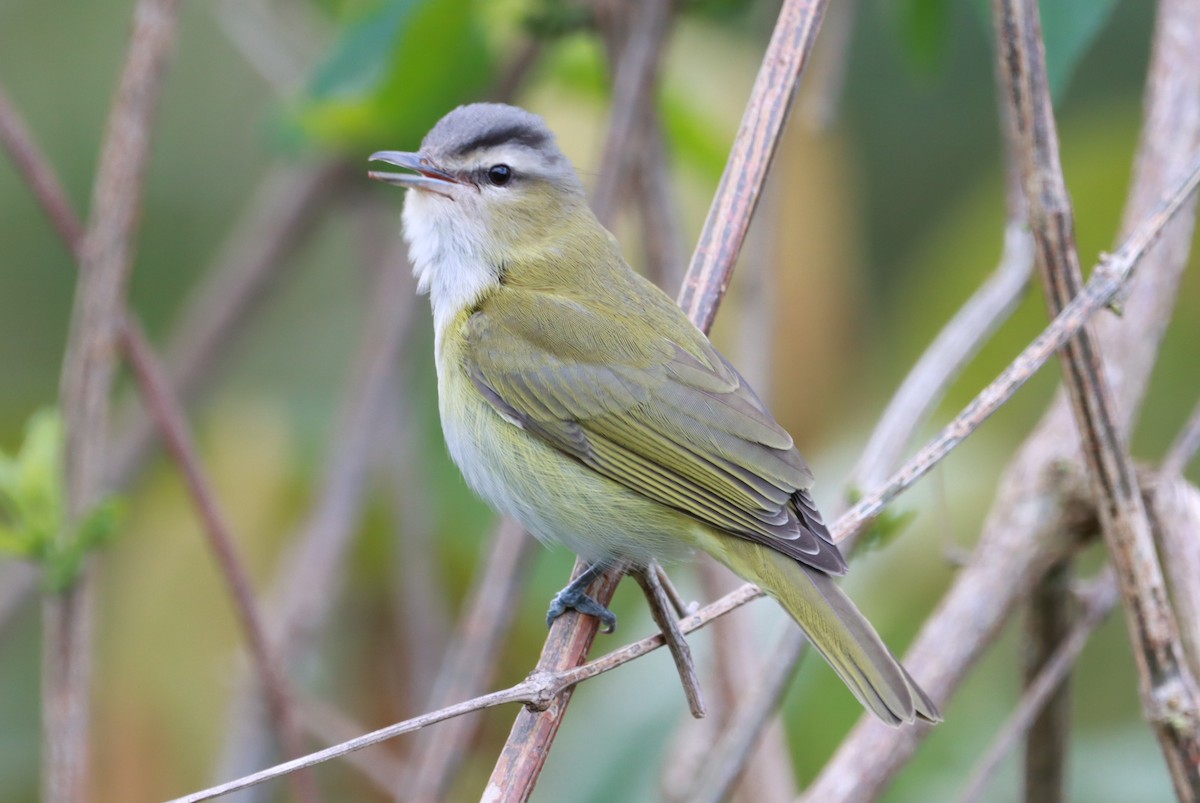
(670, 420)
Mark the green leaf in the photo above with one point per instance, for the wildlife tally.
(394, 72)
(1069, 27)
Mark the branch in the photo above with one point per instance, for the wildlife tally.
(1174, 508)
(1170, 695)
(1036, 511)
(1108, 279)
(542, 690)
(35, 168)
(1186, 444)
(1047, 626)
(1099, 599)
(89, 366)
(168, 415)
(668, 626)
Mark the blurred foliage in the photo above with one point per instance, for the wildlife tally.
(872, 235)
(32, 513)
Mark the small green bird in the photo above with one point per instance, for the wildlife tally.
(576, 396)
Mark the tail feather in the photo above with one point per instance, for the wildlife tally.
(836, 628)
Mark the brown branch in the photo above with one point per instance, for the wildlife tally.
(543, 689)
(1185, 446)
(168, 415)
(89, 366)
(532, 734)
(1170, 695)
(636, 46)
(1035, 511)
(754, 147)
(1048, 624)
(1174, 508)
(668, 625)
(1099, 600)
(35, 168)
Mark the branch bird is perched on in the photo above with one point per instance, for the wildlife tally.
(577, 397)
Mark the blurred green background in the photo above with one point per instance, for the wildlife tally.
(875, 229)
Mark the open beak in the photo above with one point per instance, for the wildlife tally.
(423, 177)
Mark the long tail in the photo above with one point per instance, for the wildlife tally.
(835, 627)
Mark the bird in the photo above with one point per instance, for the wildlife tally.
(576, 396)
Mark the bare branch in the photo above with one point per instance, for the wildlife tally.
(543, 689)
(754, 147)
(169, 417)
(1174, 508)
(88, 369)
(1047, 626)
(1108, 279)
(1036, 510)
(660, 610)
(1170, 695)
(1099, 599)
(33, 165)
(1186, 444)
(948, 354)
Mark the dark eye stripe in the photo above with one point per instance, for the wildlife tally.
(520, 134)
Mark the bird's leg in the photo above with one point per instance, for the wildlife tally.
(573, 598)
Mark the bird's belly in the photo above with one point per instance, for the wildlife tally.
(555, 497)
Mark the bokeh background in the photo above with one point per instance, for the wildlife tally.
(881, 218)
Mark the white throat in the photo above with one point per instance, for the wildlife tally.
(448, 252)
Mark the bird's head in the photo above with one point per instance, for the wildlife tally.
(488, 185)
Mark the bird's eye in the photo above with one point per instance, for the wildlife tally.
(499, 175)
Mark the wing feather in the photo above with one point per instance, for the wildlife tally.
(671, 420)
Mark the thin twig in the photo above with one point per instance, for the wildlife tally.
(636, 57)
(168, 415)
(668, 625)
(330, 726)
(543, 689)
(1047, 626)
(33, 165)
(1099, 600)
(89, 367)
(1170, 694)
(1185, 446)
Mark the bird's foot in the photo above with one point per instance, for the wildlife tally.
(573, 598)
